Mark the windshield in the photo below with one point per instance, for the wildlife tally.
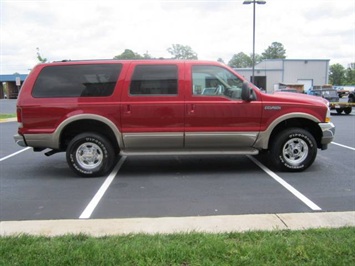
(331, 93)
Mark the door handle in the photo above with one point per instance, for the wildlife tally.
(191, 108)
(128, 109)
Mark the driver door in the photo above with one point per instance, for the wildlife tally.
(218, 118)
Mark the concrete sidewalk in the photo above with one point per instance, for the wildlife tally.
(166, 225)
(8, 120)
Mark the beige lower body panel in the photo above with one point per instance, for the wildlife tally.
(148, 141)
(189, 143)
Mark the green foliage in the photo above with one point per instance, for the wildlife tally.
(349, 76)
(5, 116)
(274, 51)
(129, 55)
(40, 58)
(220, 60)
(309, 247)
(241, 60)
(179, 51)
(336, 74)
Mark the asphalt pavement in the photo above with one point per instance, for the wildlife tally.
(8, 106)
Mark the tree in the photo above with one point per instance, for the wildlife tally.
(220, 60)
(40, 58)
(274, 51)
(128, 54)
(349, 78)
(146, 55)
(337, 74)
(240, 60)
(179, 51)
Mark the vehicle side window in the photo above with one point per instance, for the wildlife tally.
(154, 80)
(98, 80)
(215, 81)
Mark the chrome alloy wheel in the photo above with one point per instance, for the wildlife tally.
(89, 155)
(295, 151)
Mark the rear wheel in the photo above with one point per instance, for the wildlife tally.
(90, 154)
(347, 110)
(293, 150)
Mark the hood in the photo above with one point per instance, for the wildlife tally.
(295, 98)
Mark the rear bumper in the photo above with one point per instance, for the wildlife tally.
(20, 140)
(37, 140)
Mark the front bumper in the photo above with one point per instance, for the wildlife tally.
(328, 132)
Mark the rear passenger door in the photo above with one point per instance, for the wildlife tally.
(152, 109)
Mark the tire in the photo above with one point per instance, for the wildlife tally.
(293, 150)
(339, 110)
(90, 155)
(347, 110)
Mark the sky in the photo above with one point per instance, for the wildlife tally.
(102, 29)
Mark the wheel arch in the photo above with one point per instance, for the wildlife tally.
(75, 125)
(300, 120)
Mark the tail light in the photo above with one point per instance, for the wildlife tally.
(19, 117)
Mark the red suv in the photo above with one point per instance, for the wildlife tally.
(97, 110)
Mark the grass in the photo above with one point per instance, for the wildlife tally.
(5, 116)
(309, 247)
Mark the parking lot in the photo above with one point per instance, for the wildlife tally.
(36, 187)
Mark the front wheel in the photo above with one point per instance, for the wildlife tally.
(339, 110)
(90, 154)
(293, 150)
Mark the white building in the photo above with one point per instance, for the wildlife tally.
(270, 73)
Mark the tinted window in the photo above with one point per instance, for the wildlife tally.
(154, 80)
(77, 81)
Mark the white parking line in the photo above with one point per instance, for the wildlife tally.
(341, 145)
(100, 193)
(286, 185)
(11, 155)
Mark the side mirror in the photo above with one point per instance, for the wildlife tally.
(246, 91)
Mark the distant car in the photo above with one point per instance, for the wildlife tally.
(332, 96)
(329, 94)
(288, 90)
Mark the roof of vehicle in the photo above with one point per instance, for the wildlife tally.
(149, 61)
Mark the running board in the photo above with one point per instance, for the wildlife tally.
(250, 151)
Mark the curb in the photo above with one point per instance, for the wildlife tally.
(169, 225)
(8, 120)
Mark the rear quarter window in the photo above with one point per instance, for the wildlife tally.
(97, 80)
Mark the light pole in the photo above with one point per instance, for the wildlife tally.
(246, 2)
